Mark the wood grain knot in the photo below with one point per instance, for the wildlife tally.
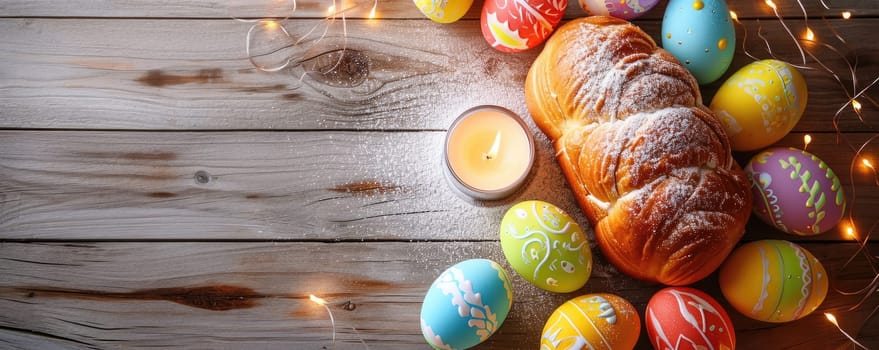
(214, 298)
(202, 177)
(130, 155)
(365, 188)
(338, 68)
(158, 78)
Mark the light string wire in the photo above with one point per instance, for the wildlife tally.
(293, 61)
(327, 22)
(345, 306)
(853, 95)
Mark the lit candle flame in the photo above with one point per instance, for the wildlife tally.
(492, 152)
(810, 36)
(846, 15)
(732, 14)
(856, 105)
(771, 4)
(317, 300)
(807, 139)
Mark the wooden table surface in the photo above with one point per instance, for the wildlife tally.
(156, 190)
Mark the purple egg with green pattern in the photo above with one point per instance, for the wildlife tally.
(795, 191)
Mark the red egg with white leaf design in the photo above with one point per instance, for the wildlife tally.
(519, 25)
(687, 318)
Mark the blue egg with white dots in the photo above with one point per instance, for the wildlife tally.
(466, 304)
(700, 34)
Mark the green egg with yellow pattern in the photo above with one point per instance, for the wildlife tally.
(546, 246)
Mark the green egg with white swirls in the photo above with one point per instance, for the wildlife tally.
(546, 246)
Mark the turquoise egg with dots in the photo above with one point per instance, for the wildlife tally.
(700, 34)
(466, 304)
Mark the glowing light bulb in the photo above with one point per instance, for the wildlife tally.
(372, 11)
(807, 139)
(810, 36)
(846, 15)
(856, 105)
(831, 318)
(317, 300)
(331, 10)
(867, 163)
(732, 14)
(270, 25)
(771, 4)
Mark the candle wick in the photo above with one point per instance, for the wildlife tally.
(492, 153)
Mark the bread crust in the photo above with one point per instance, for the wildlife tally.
(649, 164)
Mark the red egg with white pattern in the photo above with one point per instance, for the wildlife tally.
(519, 25)
(687, 318)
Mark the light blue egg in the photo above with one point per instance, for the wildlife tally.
(466, 304)
(701, 35)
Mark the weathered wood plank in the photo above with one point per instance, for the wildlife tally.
(393, 9)
(134, 295)
(277, 185)
(93, 74)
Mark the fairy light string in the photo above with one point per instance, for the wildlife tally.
(345, 306)
(832, 320)
(856, 95)
(303, 42)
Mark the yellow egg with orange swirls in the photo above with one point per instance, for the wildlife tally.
(592, 321)
(760, 103)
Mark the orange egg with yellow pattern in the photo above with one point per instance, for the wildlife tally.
(592, 321)
(773, 281)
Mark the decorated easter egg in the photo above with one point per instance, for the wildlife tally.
(444, 11)
(546, 246)
(514, 26)
(760, 103)
(625, 9)
(466, 304)
(593, 321)
(700, 34)
(681, 315)
(795, 191)
(773, 281)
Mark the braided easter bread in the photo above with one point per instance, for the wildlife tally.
(648, 163)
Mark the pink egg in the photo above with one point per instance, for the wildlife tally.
(514, 26)
(795, 191)
(625, 9)
(686, 318)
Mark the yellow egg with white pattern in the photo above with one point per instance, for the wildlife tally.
(592, 321)
(760, 103)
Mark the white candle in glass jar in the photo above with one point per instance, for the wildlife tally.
(488, 152)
